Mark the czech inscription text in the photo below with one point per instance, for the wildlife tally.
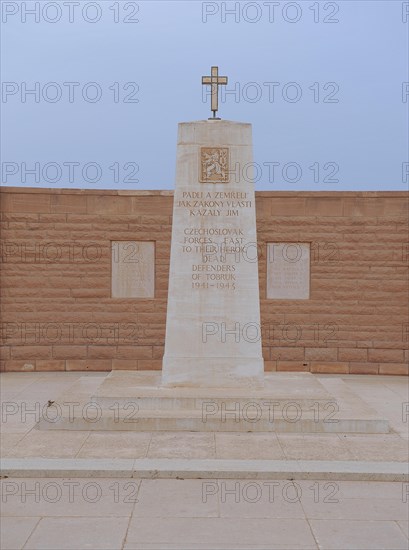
(214, 250)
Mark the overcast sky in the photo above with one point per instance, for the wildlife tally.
(322, 83)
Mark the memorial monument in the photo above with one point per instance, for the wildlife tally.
(212, 377)
(213, 335)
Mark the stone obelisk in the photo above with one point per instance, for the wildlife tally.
(213, 333)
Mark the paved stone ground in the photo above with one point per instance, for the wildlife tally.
(186, 514)
(76, 514)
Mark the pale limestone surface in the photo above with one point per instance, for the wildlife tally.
(213, 278)
(384, 393)
(94, 533)
(59, 498)
(288, 271)
(207, 514)
(194, 445)
(287, 402)
(116, 445)
(255, 446)
(359, 535)
(230, 532)
(195, 468)
(238, 512)
(15, 530)
(133, 269)
(43, 444)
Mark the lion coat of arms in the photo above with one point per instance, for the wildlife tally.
(214, 165)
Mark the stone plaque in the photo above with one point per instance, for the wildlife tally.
(288, 271)
(133, 269)
(214, 165)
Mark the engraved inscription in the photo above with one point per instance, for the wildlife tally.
(215, 251)
(133, 269)
(288, 271)
(214, 165)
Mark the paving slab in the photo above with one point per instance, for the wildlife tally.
(207, 514)
(15, 531)
(215, 532)
(334, 534)
(93, 533)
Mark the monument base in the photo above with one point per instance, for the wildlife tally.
(288, 402)
(199, 372)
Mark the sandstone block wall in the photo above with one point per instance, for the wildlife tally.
(57, 312)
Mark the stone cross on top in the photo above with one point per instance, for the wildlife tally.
(214, 81)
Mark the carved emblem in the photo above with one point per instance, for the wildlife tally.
(214, 165)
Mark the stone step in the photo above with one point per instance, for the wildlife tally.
(95, 418)
(226, 403)
(136, 401)
(144, 388)
(179, 468)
